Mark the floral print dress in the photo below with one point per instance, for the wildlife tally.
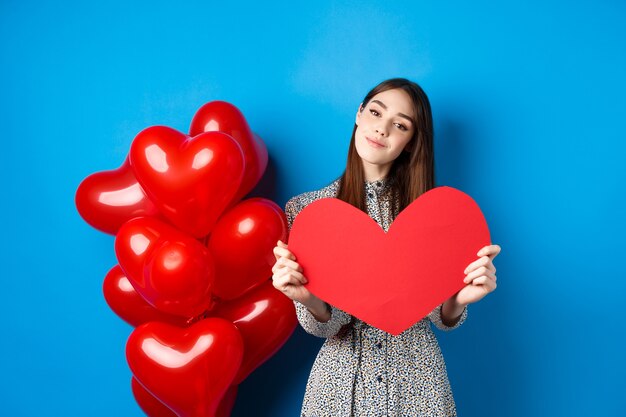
(363, 371)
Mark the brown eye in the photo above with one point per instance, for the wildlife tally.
(374, 112)
(401, 127)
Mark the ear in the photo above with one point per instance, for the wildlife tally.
(358, 114)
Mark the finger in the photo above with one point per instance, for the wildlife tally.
(278, 265)
(290, 264)
(283, 262)
(284, 252)
(485, 282)
(301, 279)
(280, 280)
(284, 283)
(281, 244)
(480, 262)
(480, 280)
(289, 277)
(276, 255)
(280, 284)
(481, 272)
(491, 250)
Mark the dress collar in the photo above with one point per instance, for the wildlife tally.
(379, 185)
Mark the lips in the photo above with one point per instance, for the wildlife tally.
(374, 143)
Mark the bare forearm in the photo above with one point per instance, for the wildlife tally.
(318, 308)
(451, 312)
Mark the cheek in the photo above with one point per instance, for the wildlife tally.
(406, 141)
(360, 144)
(367, 118)
(358, 141)
(359, 134)
(399, 147)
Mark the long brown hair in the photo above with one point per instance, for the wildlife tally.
(413, 171)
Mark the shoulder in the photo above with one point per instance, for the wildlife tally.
(300, 201)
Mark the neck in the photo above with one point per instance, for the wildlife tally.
(374, 172)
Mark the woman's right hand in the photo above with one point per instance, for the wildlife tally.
(289, 280)
(288, 277)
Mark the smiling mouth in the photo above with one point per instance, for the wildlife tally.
(374, 143)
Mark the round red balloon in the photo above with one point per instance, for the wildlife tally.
(191, 180)
(189, 370)
(170, 270)
(108, 199)
(225, 117)
(242, 244)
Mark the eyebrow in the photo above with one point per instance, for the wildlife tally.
(381, 104)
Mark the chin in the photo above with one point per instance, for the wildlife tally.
(370, 155)
(373, 161)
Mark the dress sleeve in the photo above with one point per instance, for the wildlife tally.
(306, 319)
(291, 211)
(311, 325)
(435, 318)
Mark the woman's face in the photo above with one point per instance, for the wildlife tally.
(384, 127)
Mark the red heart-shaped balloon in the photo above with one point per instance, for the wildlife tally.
(191, 180)
(131, 307)
(266, 320)
(134, 241)
(389, 280)
(170, 270)
(148, 403)
(228, 402)
(153, 407)
(242, 243)
(108, 199)
(189, 370)
(224, 117)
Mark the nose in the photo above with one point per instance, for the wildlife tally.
(381, 130)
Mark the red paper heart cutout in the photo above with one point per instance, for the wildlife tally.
(191, 180)
(266, 320)
(242, 244)
(189, 369)
(389, 280)
(108, 199)
(224, 117)
(169, 269)
(131, 307)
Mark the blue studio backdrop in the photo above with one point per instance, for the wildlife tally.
(529, 110)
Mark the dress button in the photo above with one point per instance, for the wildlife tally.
(379, 345)
(378, 183)
(379, 378)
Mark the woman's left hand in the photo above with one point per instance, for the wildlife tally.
(480, 276)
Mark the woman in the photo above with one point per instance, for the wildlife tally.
(361, 370)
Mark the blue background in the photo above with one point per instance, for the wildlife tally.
(529, 110)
